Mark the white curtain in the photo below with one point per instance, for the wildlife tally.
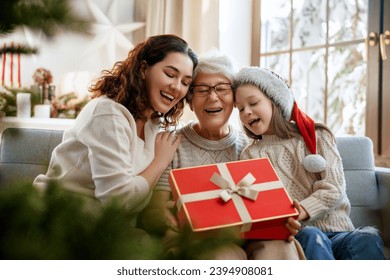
(196, 21)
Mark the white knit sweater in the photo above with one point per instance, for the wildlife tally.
(195, 150)
(101, 155)
(323, 195)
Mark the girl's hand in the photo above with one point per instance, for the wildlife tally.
(303, 215)
(293, 225)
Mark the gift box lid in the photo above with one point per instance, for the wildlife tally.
(200, 202)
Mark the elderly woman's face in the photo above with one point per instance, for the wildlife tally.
(212, 100)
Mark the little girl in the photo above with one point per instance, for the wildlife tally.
(305, 156)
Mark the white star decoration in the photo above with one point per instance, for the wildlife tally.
(74, 54)
(109, 34)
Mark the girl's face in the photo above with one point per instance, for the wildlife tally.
(255, 109)
(167, 81)
(213, 109)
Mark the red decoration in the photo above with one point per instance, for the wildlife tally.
(19, 82)
(4, 59)
(12, 65)
(261, 217)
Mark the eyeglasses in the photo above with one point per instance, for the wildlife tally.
(221, 89)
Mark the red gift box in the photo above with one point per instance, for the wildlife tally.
(246, 193)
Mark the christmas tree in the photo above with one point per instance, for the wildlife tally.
(54, 225)
(48, 16)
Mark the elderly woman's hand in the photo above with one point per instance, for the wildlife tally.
(159, 216)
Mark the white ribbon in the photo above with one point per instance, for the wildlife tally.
(229, 188)
(231, 191)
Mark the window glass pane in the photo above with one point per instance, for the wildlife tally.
(308, 82)
(278, 63)
(275, 25)
(347, 20)
(309, 23)
(347, 71)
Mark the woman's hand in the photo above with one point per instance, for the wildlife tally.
(165, 147)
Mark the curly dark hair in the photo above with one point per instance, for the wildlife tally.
(124, 82)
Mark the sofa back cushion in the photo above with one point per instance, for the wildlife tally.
(25, 153)
(359, 167)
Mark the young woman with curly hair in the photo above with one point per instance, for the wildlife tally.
(118, 147)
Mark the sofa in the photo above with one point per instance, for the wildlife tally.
(25, 153)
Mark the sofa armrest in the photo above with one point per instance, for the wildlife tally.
(383, 176)
(383, 179)
(25, 153)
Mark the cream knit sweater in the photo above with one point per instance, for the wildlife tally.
(323, 195)
(195, 150)
(101, 155)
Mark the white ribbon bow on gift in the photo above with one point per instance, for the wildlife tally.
(229, 188)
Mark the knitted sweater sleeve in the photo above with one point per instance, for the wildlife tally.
(108, 138)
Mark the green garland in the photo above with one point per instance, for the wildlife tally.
(8, 99)
(67, 106)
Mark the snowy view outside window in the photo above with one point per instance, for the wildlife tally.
(322, 54)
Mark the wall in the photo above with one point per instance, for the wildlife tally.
(79, 57)
(75, 59)
(235, 36)
(235, 30)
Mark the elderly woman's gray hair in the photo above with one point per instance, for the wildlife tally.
(213, 62)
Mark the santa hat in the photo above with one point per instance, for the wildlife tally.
(278, 90)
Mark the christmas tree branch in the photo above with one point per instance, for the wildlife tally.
(48, 16)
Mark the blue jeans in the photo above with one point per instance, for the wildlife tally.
(363, 243)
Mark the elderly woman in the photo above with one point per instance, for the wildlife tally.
(210, 140)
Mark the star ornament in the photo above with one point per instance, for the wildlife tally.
(110, 39)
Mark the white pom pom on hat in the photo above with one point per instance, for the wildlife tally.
(277, 89)
(313, 163)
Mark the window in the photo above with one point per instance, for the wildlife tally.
(320, 47)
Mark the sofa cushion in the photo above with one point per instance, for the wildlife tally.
(27, 152)
(359, 168)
